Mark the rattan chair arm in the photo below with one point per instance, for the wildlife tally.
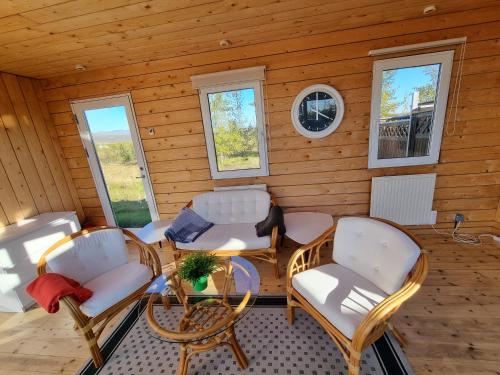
(299, 262)
(78, 316)
(375, 320)
(171, 243)
(274, 233)
(156, 263)
(274, 237)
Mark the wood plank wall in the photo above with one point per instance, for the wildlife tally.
(328, 175)
(497, 217)
(34, 177)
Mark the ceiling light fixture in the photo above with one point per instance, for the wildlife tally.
(224, 43)
(80, 67)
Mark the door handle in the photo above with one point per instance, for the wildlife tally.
(141, 176)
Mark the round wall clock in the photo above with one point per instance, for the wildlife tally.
(317, 111)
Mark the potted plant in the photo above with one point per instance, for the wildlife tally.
(196, 268)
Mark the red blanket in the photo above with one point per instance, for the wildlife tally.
(49, 288)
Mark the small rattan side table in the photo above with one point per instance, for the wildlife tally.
(210, 316)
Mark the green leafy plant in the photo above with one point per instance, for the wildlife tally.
(197, 265)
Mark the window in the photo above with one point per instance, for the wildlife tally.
(409, 96)
(233, 119)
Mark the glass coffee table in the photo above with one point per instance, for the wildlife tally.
(209, 317)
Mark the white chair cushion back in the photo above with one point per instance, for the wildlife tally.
(88, 256)
(233, 206)
(375, 250)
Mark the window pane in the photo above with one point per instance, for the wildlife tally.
(408, 99)
(110, 132)
(234, 127)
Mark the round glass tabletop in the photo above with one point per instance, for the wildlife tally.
(195, 316)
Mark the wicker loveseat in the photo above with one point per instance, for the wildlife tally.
(234, 214)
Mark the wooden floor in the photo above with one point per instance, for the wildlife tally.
(453, 324)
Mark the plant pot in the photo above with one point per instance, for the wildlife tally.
(200, 284)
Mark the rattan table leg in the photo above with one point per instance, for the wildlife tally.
(183, 360)
(237, 350)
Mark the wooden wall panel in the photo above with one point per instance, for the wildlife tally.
(31, 174)
(328, 175)
(497, 217)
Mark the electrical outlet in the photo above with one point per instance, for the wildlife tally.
(459, 218)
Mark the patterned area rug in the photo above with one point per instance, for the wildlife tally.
(271, 345)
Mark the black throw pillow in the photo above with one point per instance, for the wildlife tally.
(275, 217)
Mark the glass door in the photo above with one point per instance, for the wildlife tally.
(110, 137)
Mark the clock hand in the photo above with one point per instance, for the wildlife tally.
(325, 116)
(319, 113)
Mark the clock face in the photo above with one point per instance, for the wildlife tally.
(317, 111)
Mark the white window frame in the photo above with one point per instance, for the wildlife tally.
(446, 60)
(256, 85)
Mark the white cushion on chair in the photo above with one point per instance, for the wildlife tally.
(375, 250)
(343, 297)
(113, 286)
(88, 256)
(233, 206)
(228, 237)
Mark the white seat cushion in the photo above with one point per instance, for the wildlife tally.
(343, 297)
(88, 256)
(233, 206)
(113, 286)
(228, 237)
(375, 250)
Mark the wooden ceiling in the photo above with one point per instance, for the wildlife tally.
(44, 38)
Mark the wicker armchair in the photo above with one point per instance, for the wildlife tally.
(377, 266)
(98, 259)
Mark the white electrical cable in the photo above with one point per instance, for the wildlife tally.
(267, 114)
(456, 92)
(496, 238)
(466, 238)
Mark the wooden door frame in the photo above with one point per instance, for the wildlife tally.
(78, 107)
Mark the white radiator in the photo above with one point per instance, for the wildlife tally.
(406, 200)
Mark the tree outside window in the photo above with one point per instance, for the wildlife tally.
(234, 129)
